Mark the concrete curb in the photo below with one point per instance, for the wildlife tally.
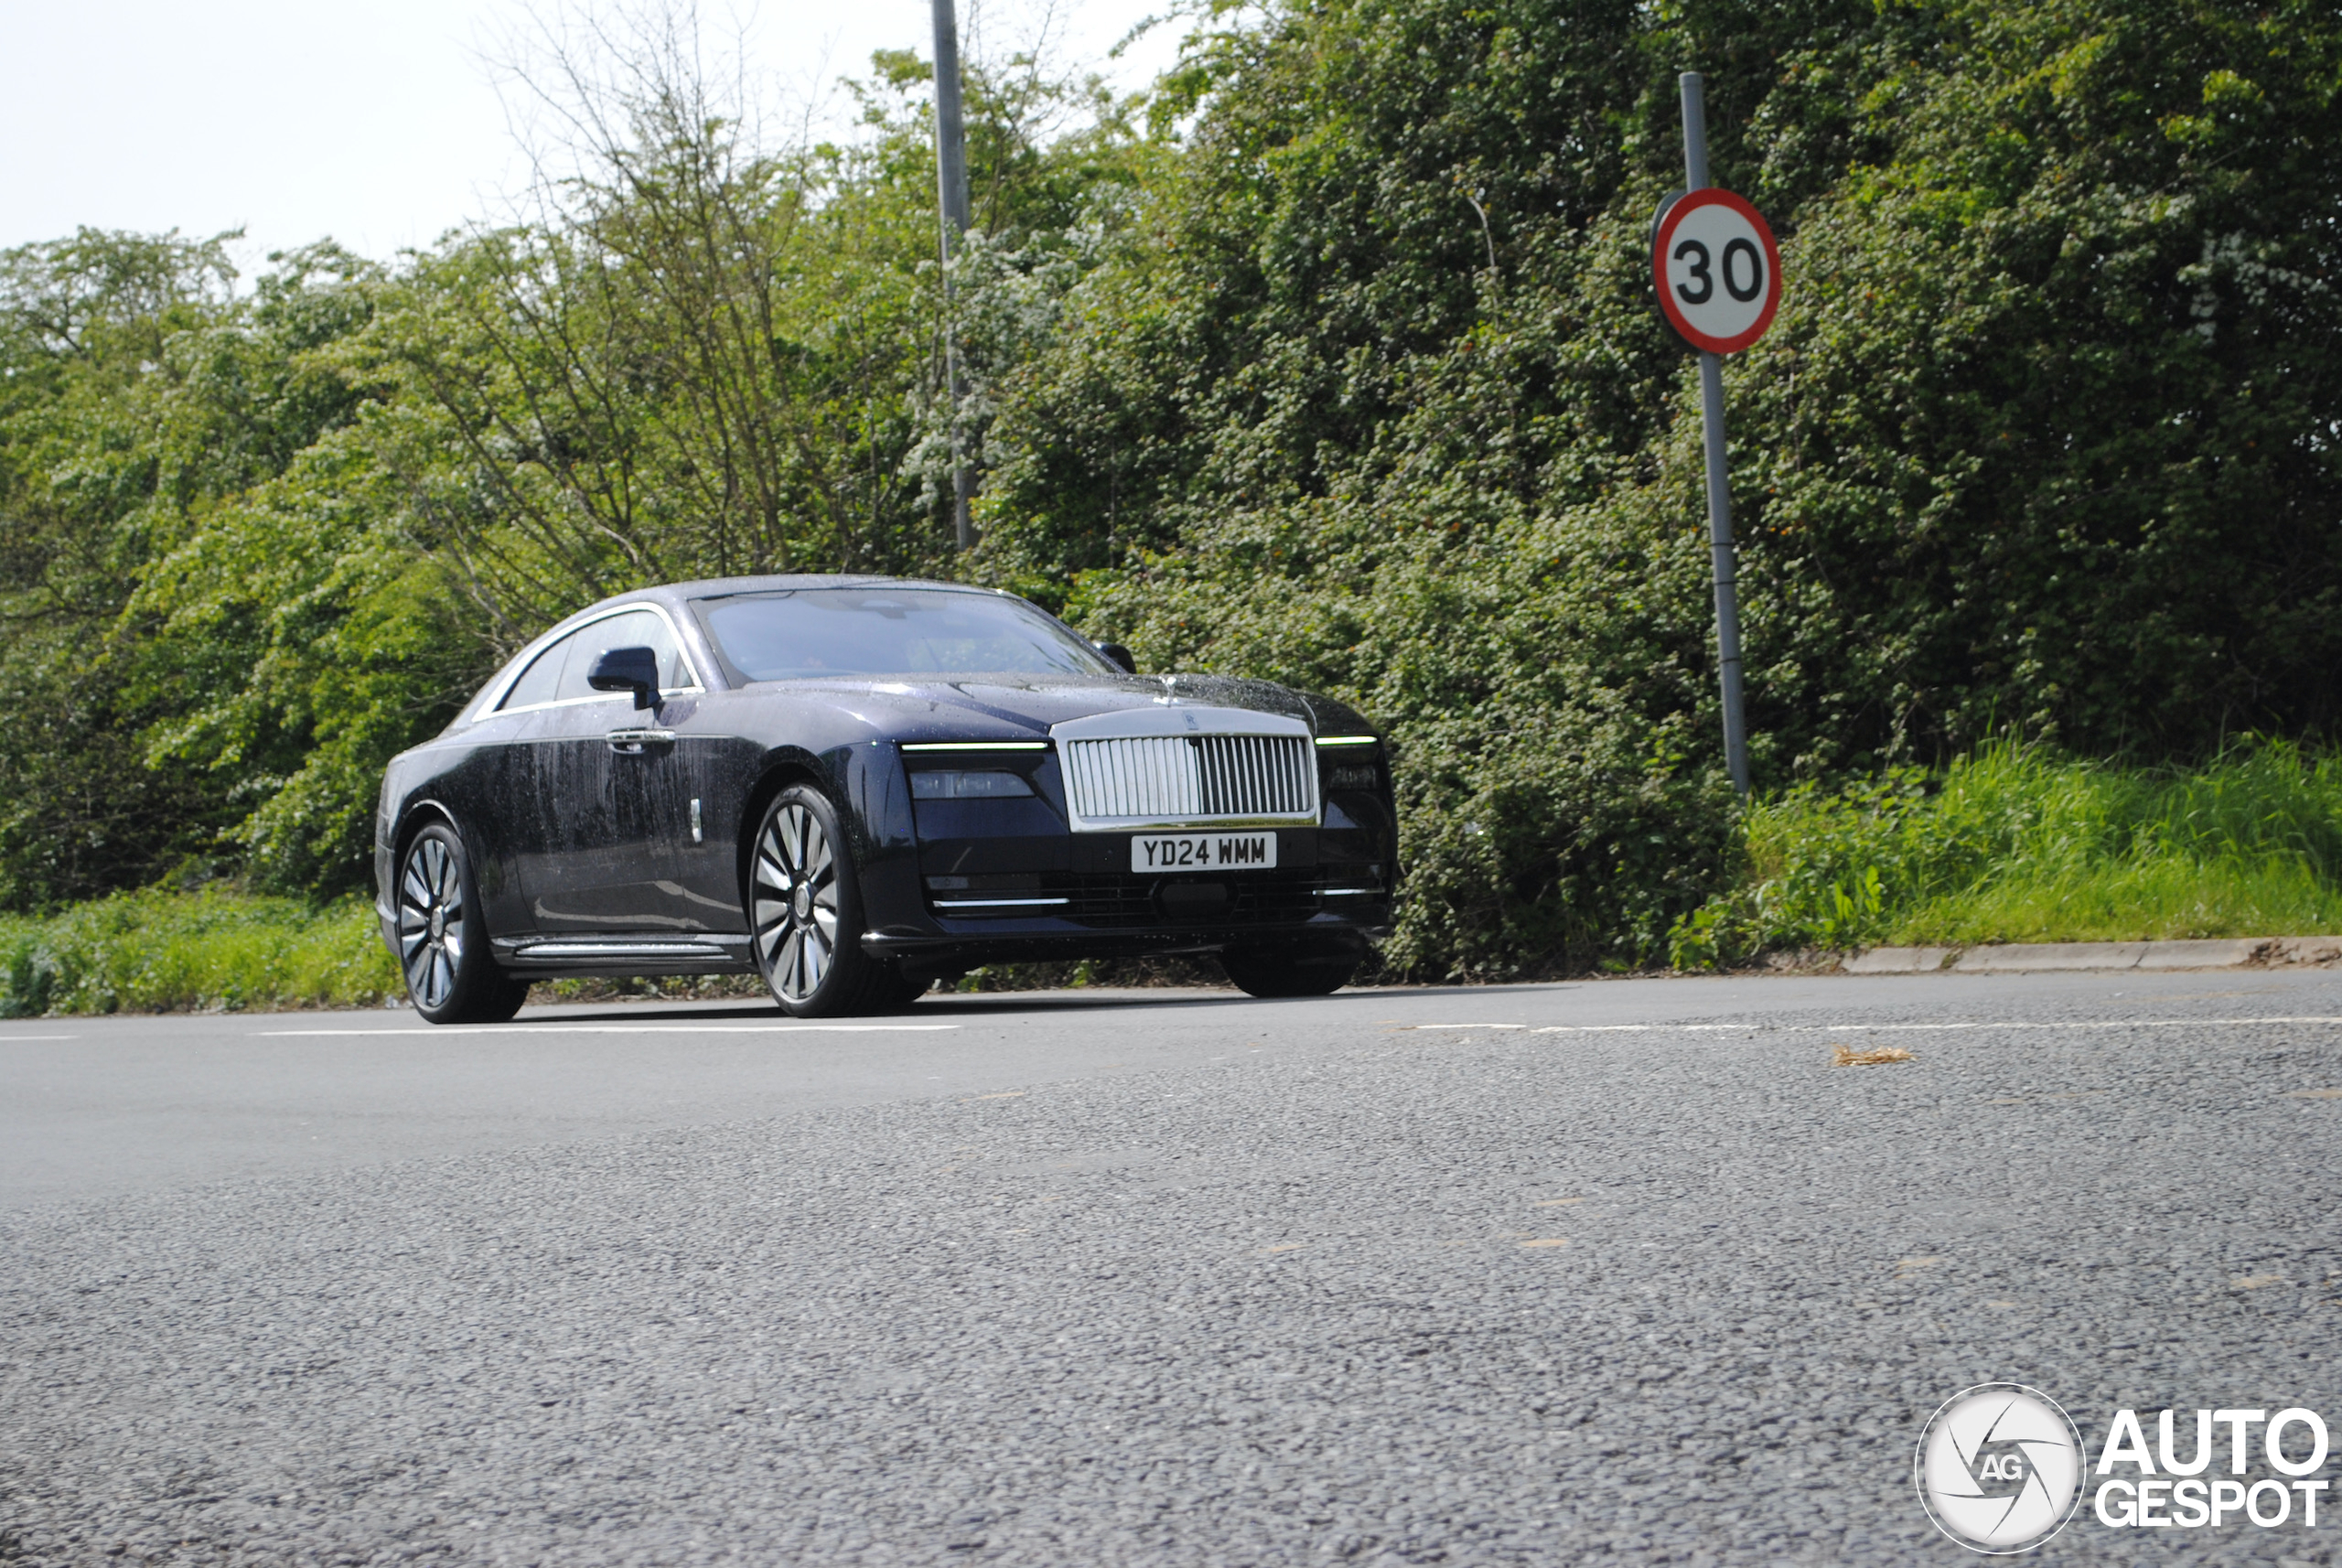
(2021, 958)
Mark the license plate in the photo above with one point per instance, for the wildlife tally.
(1203, 852)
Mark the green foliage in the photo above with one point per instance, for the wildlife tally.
(162, 951)
(2041, 422)
(254, 542)
(1334, 362)
(2042, 435)
(2016, 844)
(137, 394)
(712, 360)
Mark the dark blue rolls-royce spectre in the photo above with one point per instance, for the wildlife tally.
(859, 786)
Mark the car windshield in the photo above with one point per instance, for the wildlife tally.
(803, 632)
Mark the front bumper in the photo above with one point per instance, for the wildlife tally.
(1070, 888)
(1054, 916)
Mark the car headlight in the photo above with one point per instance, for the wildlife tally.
(967, 784)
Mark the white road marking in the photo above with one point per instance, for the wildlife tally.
(1881, 1028)
(621, 1030)
(2088, 1024)
(5, 1034)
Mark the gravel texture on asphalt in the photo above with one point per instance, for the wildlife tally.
(1460, 1296)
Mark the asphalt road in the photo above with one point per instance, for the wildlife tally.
(1624, 1272)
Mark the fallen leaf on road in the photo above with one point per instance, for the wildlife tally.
(1842, 1057)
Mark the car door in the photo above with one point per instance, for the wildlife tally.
(607, 799)
(716, 768)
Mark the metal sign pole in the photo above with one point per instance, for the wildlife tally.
(1720, 545)
(951, 208)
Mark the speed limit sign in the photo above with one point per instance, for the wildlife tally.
(1717, 271)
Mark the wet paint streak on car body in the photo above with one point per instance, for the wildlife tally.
(611, 839)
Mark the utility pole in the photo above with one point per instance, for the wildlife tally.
(951, 210)
(1721, 549)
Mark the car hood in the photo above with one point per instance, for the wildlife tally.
(985, 707)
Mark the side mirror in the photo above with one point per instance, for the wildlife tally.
(632, 670)
(1119, 655)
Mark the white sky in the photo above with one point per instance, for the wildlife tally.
(377, 121)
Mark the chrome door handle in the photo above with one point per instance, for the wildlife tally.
(631, 742)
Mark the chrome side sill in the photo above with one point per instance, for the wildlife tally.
(536, 951)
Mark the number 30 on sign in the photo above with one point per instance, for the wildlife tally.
(1717, 271)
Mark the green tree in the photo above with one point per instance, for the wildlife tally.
(1374, 399)
(137, 392)
(269, 539)
(713, 358)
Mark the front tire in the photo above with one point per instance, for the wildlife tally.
(442, 940)
(805, 903)
(1289, 970)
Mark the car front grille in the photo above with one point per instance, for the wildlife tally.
(1197, 778)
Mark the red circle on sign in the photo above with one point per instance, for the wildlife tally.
(1663, 242)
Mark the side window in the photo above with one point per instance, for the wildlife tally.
(541, 679)
(635, 629)
(558, 674)
(673, 672)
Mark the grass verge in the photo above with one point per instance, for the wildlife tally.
(154, 951)
(161, 951)
(2015, 845)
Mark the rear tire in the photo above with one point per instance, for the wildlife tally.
(1289, 970)
(443, 950)
(805, 909)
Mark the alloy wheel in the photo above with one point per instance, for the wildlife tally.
(796, 902)
(431, 920)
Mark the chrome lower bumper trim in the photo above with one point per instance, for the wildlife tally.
(1001, 903)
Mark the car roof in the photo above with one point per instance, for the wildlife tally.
(720, 587)
(673, 596)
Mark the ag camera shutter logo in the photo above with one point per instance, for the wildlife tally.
(2000, 1467)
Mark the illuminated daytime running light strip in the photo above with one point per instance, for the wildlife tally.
(1347, 739)
(976, 745)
